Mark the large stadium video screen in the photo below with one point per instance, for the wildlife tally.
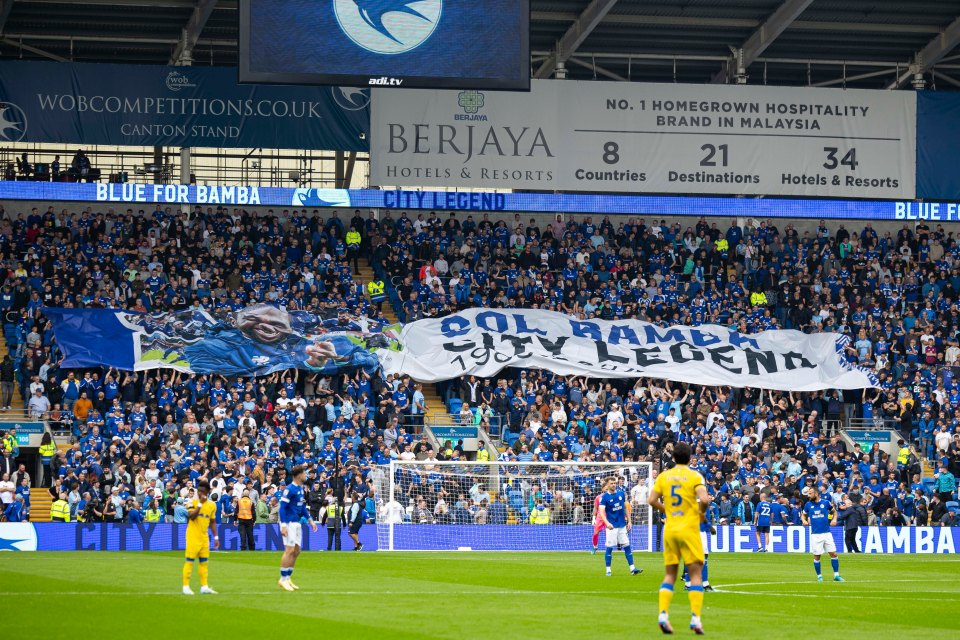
(435, 44)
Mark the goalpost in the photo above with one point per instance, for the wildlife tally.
(504, 506)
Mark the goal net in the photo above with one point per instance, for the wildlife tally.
(504, 506)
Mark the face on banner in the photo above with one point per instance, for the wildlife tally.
(256, 340)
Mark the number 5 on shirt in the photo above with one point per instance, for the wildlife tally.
(677, 499)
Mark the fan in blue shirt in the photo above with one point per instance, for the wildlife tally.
(817, 513)
(779, 514)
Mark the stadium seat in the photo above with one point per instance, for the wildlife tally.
(454, 406)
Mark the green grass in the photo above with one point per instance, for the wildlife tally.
(473, 595)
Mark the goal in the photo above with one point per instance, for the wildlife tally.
(503, 506)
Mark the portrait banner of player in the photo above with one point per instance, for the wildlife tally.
(256, 340)
(262, 339)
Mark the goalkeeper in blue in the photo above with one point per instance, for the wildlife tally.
(293, 515)
(817, 513)
(615, 515)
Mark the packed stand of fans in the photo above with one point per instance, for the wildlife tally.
(140, 440)
(893, 295)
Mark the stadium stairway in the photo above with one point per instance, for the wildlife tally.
(40, 502)
(436, 409)
(17, 407)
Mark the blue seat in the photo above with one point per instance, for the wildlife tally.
(454, 406)
(953, 506)
(929, 484)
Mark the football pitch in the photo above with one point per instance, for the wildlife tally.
(470, 595)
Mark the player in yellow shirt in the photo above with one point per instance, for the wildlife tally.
(682, 495)
(202, 514)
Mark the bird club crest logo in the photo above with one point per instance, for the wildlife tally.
(13, 122)
(351, 98)
(388, 26)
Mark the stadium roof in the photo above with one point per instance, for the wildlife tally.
(854, 43)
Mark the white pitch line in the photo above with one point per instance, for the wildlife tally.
(786, 582)
(279, 592)
(839, 596)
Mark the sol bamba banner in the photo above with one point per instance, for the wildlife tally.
(483, 341)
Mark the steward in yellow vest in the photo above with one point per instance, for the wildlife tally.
(353, 241)
(758, 299)
(903, 455)
(483, 455)
(245, 508)
(377, 290)
(540, 514)
(10, 444)
(47, 452)
(60, 510)
(332, 515)
(246, 515)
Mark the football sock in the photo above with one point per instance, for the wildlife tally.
(204, 572)
(628, 552)
(596, 539)
(187, 570)
(666, 595)
(608, 556)
(285, 573)
(705, 573)
(696, 599)
(835, 562)
(816, 565)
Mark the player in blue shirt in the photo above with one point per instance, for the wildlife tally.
(615, 514)
(293, 515)
(761, 521)
(779, 513)
(817, 513)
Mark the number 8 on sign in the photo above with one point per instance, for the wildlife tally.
(611, 153)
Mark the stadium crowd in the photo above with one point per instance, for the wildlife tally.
(141, 440)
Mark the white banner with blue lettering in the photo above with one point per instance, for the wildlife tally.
(483, 341)
(796, 539)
